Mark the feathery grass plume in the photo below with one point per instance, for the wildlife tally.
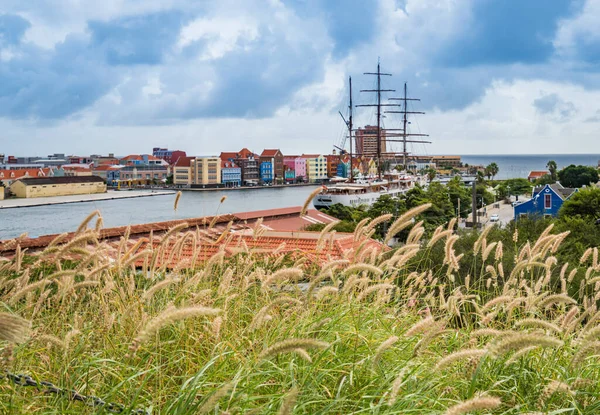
(415, 234)
(356, 268)
(149, 293)
(83, 226)
(550, 300)
(535, 322)
(303, 354)
(520, 353)
(520, 340)
(436, 331)
(291, 345)
(358, 230)
(176, 203)
(441, 235)
(309, 199)
(326, 291)
(481, 240)
(50, 341)
(421, 326)
(41, 284)
(375, 289)
(568, 318)
(289, 402)
(225, 284)
(588, 335)
(587, 349)
(378, 220)
(382, 348)
(398, 382)
(325, 232)
(488, 250)
(14, 329)
(404, 221)
(285, 274)
(171, 316)
(486, 332)
(471, 354)
(555, 387)
(503, 299)
(99, 223)
(474, 404)
(216, 327)
(212, 401)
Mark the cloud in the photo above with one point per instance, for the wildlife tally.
(552, 104)
(594, 118)
(12, 29)
(132, 40)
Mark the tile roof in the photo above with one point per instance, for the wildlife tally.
(537, 173)
(22, 173)
(310, 156)
(270, 152)
(226, 155)
(132, 157)
(184, 161)
(228, 164)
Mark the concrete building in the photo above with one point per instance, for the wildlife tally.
(143, 175)
(248, 162)
(183, 171)
(57, 186)
(170, 156)
(275, 157)
(366, 141)
(446, 161)
(332, 164)
(56, 159)
(316, 167)
(113, 175)
(142, 160)
(298, 164)
(289, 175)
(100, 160)
(207, 170)
(231, 174)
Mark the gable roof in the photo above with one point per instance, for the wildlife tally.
(270, 152)
(226, 164)
(226, 155)
(537, 173)
(22, 173)
(563, 192)
(245, 153)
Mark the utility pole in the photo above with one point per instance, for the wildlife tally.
(458, 209)
(474, 202)
(350, 126)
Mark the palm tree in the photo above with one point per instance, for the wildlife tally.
(552, 167)
(494, 169)
(431, 173)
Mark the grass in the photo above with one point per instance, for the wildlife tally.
(371, 335)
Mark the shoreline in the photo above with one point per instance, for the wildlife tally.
(239, 188)
(62, 200)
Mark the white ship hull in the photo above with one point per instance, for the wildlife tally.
(354, 200)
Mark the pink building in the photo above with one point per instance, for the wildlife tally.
(296, 163)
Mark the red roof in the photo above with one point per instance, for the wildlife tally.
(537, 174)
(270, 152)
(226, 155)
(102, 167)
(19, 173)
(133, 157)
(184, 162)
(245, 153)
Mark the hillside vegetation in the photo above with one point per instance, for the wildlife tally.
(421, 329)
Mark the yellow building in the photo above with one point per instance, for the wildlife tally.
(206, 170)
(1, 192)
(372, 168)
(183, 171)
(316, 167)
(57, 186)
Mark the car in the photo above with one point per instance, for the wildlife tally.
(494, 218)
(518, 202)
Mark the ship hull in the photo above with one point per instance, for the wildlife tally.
(326, 200)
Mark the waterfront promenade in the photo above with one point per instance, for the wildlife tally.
(60, 200)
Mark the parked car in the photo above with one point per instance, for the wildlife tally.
(518, 202)
(494, 218)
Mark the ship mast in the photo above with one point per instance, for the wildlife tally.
(350, 127)
(379, 74)
(405, 134)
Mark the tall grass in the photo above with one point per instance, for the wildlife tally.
(372, 334)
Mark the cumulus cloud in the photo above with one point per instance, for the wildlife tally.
(554, 105)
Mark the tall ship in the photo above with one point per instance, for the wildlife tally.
(355, 191)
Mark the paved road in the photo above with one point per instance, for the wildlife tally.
(59, 200)
(505, 213)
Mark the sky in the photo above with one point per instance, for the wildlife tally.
(122, 76)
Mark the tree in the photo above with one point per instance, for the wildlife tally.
(456, 191)
(552, 167)
(585, 204)
(431, 173)
(480, 176)
(545, 179)
(577, 176)
(494, 169)
(518, 187)
(487, 172)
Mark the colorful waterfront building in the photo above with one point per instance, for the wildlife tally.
(332, 163)
(231, 174)
(266, 172)
(545, 201)
(316, 167)
(207, 171)
(182, 171)
(289, 175)
(275, 157)
(170, 156)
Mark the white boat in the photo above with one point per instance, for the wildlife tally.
(356, 192)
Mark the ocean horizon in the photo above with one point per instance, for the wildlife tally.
(519, 165)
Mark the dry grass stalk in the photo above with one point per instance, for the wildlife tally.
(383, 347)
(212, 401)
(14, 329)
(421, 326)
(309, 199)
(176, 203)
(471, 354)
(535, 322)
(291, 345)
(384, 286)
(171, 316)
(83, 226)
(285, 274)
(404, 221)
(518, 341)
(149, 293)
(289, 402)
(475, 404)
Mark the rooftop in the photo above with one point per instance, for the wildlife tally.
(34, 181)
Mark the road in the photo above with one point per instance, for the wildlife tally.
(505, 212)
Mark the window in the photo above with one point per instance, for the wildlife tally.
(547, 201)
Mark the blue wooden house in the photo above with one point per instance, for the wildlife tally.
(545, 201)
